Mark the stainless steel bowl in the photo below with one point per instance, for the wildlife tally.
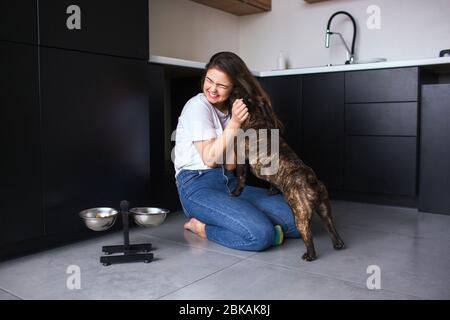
(99, 219)
(149, 217)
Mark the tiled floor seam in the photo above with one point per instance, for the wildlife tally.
(356, 284)
(198, 280)
(352, 226)
(197, 247)
(10, 293)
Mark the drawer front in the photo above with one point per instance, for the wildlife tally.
(388, 85)
(396, 119)
(18, 21)
(381, 164)
(115, 27)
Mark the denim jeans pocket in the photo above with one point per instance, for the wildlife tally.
(185, 177)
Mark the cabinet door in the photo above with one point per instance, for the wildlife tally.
(323, 126)
(434, 192)
(115, 27)
(21, 211)
(381, 164)
(286, 96)
(18, 21)
(386, 85)
(395, 119)
(95, 134)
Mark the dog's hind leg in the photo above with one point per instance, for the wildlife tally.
(324, 211)
(304, 227)
(302, 215)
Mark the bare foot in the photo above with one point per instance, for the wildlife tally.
(196, 227)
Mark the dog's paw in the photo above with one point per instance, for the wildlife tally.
(339, 246)
(234, 194)
(308, 257)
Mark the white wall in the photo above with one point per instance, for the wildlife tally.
(188, 30)
(410, 29)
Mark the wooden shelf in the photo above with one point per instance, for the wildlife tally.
(314, 1)
(239, 7)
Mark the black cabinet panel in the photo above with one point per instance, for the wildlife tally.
(323, 126)
(434, 192)
(286, 96)
(18, 20)
(387, 85)
(381, 164)
(116, 27)
(397, 119)
(95, 134)
(157, 126)
(21, 211)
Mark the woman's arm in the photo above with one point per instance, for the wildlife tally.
(212, 150)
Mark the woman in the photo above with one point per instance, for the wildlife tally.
(206, 129)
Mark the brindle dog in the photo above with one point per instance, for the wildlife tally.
(298, 183)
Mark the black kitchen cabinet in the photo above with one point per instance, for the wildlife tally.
(381, 164)
(286, 96)
(393, 119)
(21, 207)
(381, 127)
(113, 27)
(95, 121)
(18, 21)
(434, 188)
(323, 126)
(384, 85)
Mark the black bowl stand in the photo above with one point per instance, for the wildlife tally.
(129, 252)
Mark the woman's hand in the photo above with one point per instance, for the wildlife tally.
(239, 112)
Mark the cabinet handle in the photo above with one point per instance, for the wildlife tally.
(74, 20)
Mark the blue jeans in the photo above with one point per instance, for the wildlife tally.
(245, 222)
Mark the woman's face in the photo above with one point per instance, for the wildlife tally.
(217, 87)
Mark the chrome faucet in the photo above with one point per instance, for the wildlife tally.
(350, 53)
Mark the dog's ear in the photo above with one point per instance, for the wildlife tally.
(239, 93)
(236, 93)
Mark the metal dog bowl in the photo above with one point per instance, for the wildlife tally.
(99, 219)
(149, 217)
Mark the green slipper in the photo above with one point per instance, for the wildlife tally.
(279, 235)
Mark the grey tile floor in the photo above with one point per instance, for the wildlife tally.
(411, 249)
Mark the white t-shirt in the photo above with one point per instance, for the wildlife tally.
(199, 120)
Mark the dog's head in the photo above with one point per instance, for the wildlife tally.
(261, 112)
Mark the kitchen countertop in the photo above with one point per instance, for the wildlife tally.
(309, 70)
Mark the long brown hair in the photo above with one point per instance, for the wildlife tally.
(245, 86)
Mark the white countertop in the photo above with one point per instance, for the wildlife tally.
(177, 62)
(309, 70)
